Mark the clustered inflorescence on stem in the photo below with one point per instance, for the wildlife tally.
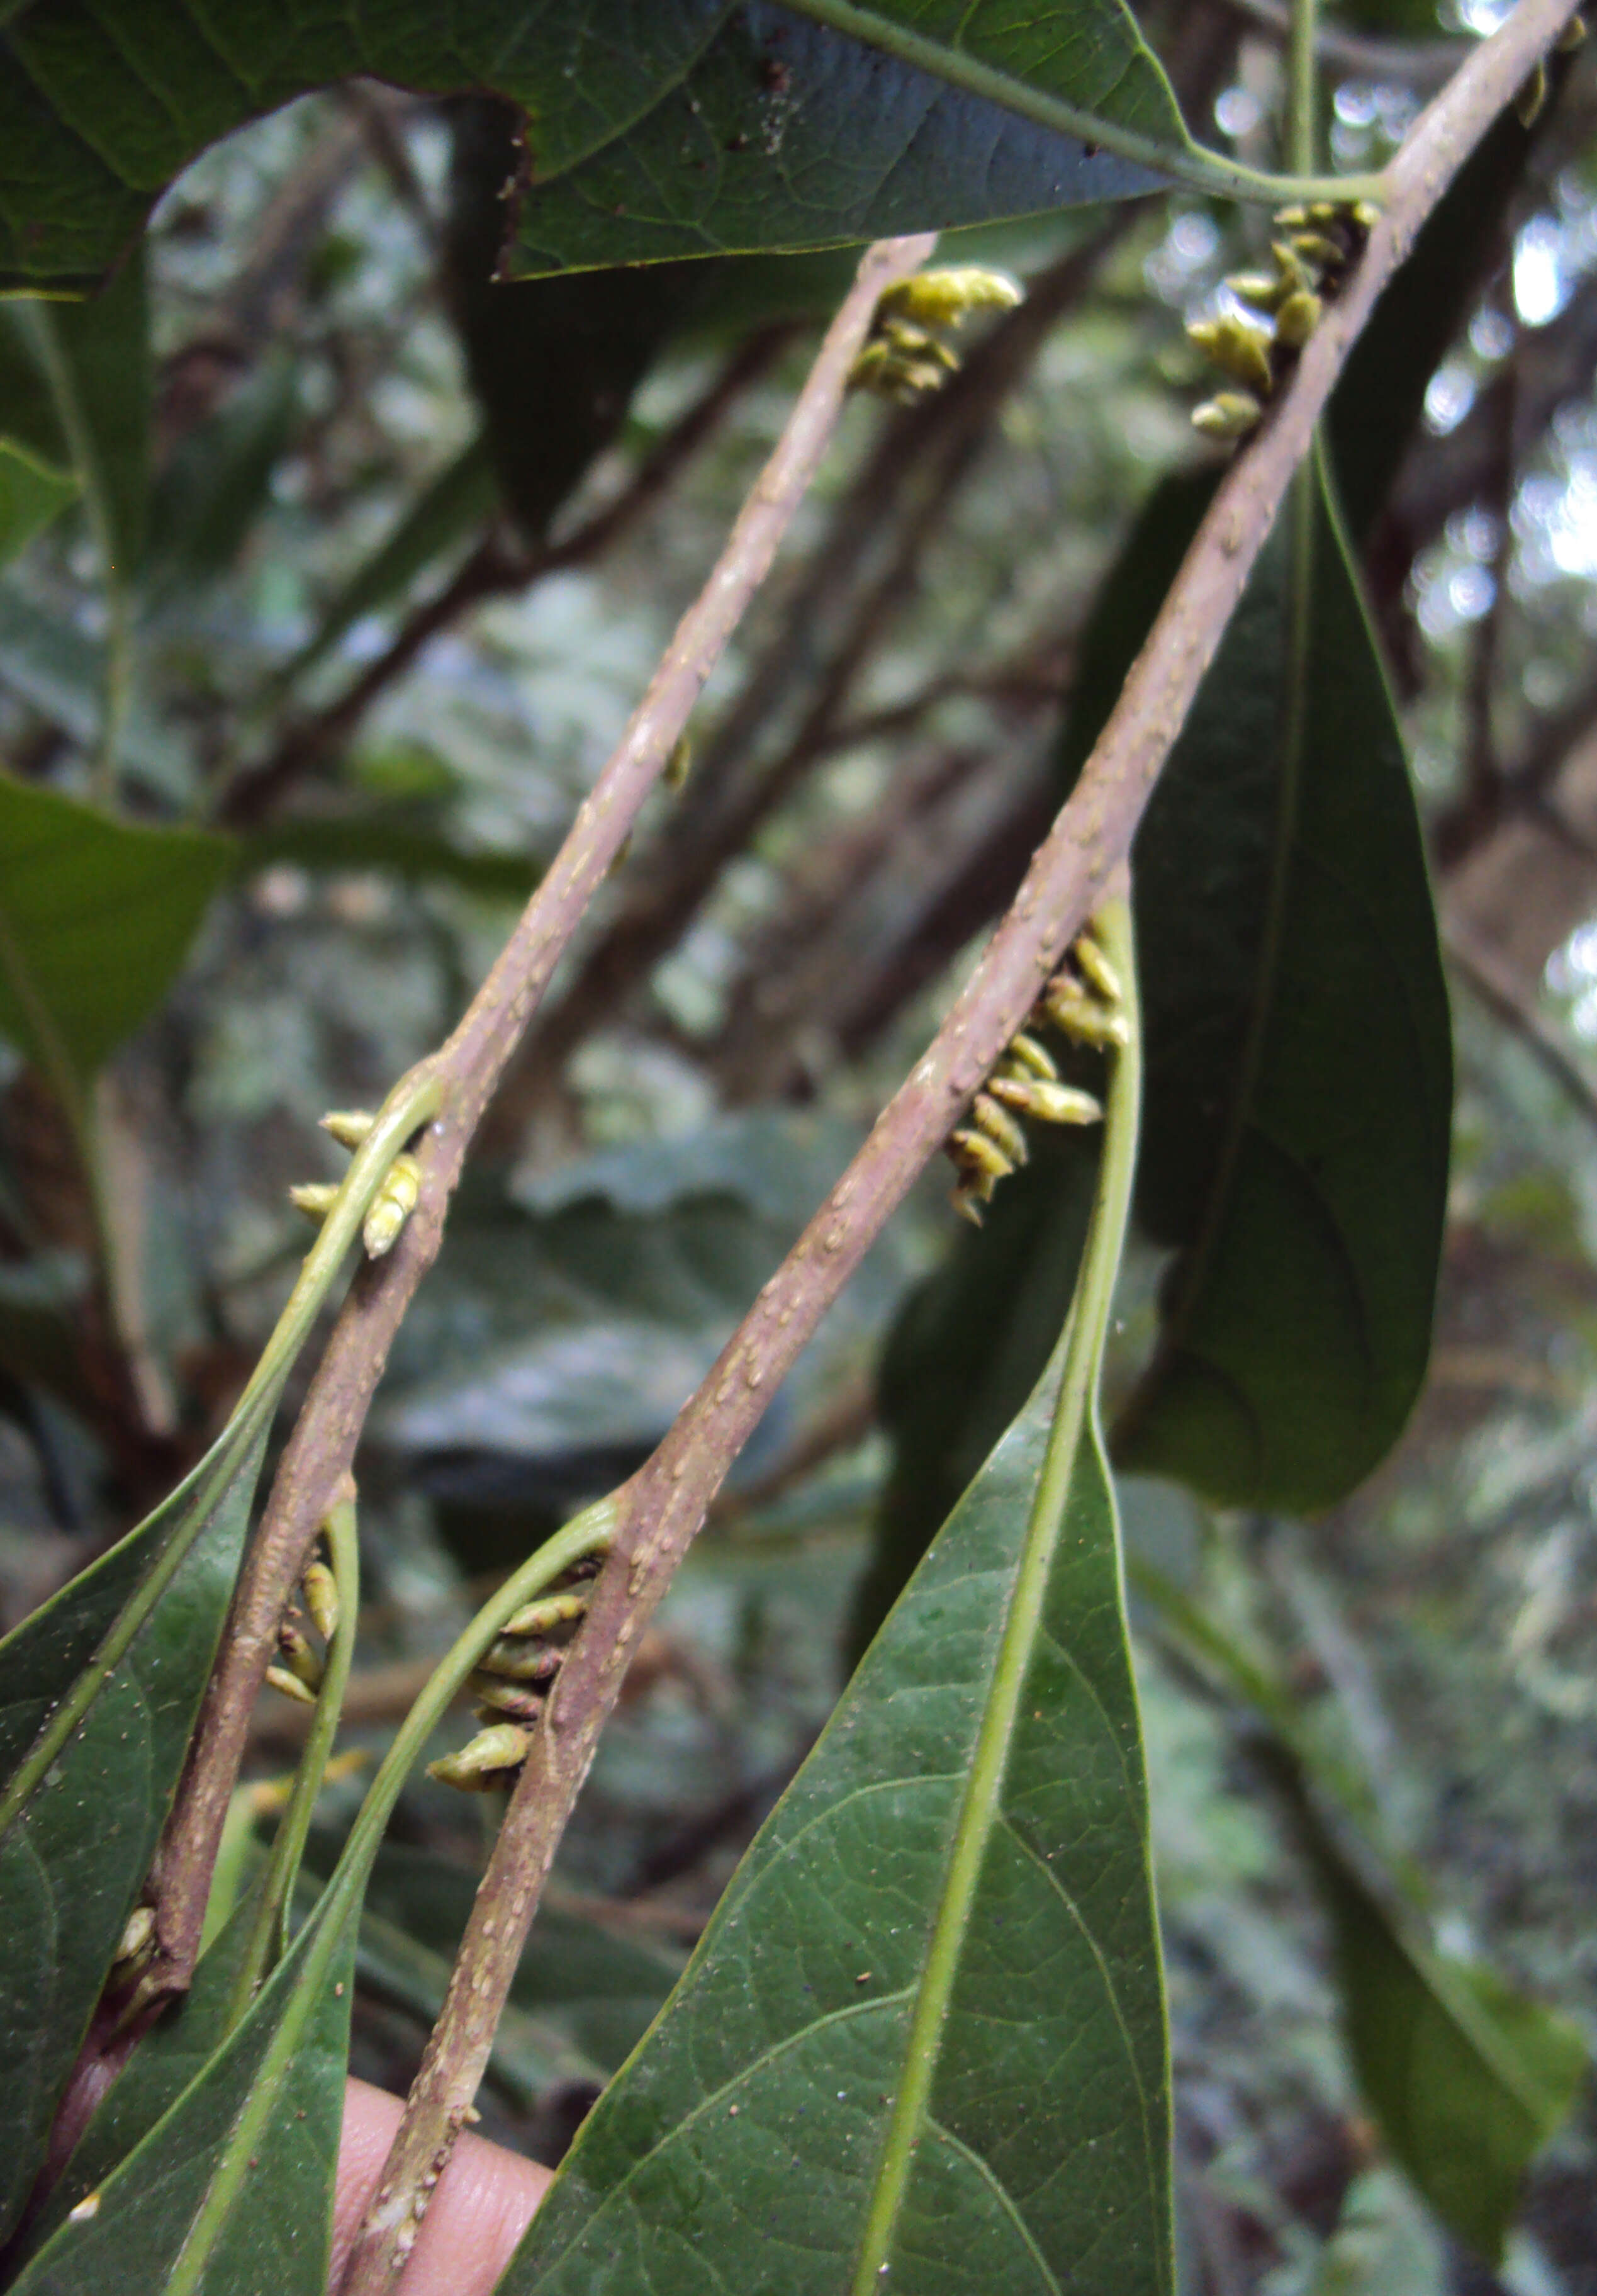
(659, 1512)
(463, 1074)
(664, 1505)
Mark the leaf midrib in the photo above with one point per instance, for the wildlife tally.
(981, 1810)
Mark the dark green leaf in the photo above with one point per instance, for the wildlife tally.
(94, 123)
(1467, 2076)
(1378, 402)
(98, 1693)
(743, 152)
(232, 2190)
(967, 1350)
(325, 841)
(171, 2056)
(1299, 1049)
(31, 493)
(843, 2093)
(553, 364)
(1400, 18)
(95, 918)
(29, 415)
(217, 481)
(96, 358)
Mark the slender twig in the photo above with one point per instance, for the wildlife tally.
(1418, 63)
(666, 1502)
(1499, 988)
(1303, 85)
(465, 1071)
(843, 602)
(495, 569)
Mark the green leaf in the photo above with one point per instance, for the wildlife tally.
(957, 114)
(966, 1351)
(1300, 1069)
(31, 493)
(1467, 2077)
(420, 855)
(171, 2056)
(232, 2188)
(96, 916)
(742, 153)
(28, 416)
(95, 356)
(98, 1693)
(1383, 2245)
(217, 481)
(922, 2041)
(1379, 399)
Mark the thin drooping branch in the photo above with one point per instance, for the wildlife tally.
(1070, 875)
(1499, 988)
(493, 569)
(322, 1447)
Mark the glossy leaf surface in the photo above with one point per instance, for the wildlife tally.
(1299, 1068)
(843, 2093)
(130, 1643)
(710, 117)
(96, 916)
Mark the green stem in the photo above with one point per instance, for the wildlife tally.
(1075, 1419)
(116, 689)
(308, 1966)
(413, 1100)
(1188, 162)
(1302, 138)
(269, 1935)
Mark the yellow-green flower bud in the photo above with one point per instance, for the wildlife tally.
(489, 1760)
(349, 1127)
(1243, 351)
(1229, 414)
(392, 1206)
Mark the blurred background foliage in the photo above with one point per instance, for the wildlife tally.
(347, 583)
